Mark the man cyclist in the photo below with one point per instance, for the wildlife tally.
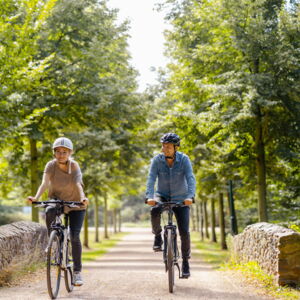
(176, 182)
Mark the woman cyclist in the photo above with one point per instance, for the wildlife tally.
(63, 179)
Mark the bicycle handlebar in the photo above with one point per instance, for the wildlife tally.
(57, 201)
(170, 202)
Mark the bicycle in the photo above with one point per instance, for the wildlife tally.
(58, 250)
(170, 251)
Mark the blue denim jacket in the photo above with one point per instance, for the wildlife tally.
(177, 183)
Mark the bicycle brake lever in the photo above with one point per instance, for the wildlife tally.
(75, 205)
(40, 205)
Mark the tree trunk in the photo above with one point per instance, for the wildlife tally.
(34, 177)
(115, 220)
(96, 220)
(86, 229)
(261, 168)
(105, 217)
(193, 218)
(111, 221)
(206, 219)
(260, 159)
(202, 221)
(197, 217)
(213, 222)
(120, 219)
(222, 221)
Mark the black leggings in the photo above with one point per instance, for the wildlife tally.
(76, 218)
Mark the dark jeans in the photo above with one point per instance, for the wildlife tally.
(76, 218)
(182, 215)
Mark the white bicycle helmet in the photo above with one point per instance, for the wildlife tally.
(63, 142)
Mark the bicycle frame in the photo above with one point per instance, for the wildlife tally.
(61, 234)
(168, 206)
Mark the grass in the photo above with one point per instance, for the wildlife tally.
(18, 273)
(253, 273)
(220, 259)
(210, 252)
(95, 249)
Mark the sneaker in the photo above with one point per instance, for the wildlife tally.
(185, 269)
(77, 279)
(157, 243)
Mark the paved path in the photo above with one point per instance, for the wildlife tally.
(132, 271)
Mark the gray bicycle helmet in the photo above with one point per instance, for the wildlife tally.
(171, 138)
(63, 142)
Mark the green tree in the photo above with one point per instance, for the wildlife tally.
(226, 94)
(87, 92)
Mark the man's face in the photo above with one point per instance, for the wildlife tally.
(168, 149)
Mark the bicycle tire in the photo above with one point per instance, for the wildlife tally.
(53, 265)
(170, 261)
(68, 272)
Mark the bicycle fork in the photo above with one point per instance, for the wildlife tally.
(176, 253)
(65, 249)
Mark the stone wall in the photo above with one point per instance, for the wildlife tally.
(275, 248)
(21, 243)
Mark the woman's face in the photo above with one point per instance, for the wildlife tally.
(62, 154)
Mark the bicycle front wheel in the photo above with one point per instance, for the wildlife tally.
(68, 273)
(53, 265)
(170, 261)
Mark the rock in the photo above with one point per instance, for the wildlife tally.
(275, 248)
(22, 243)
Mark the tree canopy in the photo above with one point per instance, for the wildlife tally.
(230, 90)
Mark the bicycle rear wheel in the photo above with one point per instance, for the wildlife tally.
(53, 265)
(170, 261)
(68, 272)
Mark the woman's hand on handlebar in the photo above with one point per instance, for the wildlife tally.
(85, 201)
(31, 199)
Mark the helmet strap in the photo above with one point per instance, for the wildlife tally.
(171, 157)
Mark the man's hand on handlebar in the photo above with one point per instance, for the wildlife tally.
(31, 199)
(151, 202)
(188, 201)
